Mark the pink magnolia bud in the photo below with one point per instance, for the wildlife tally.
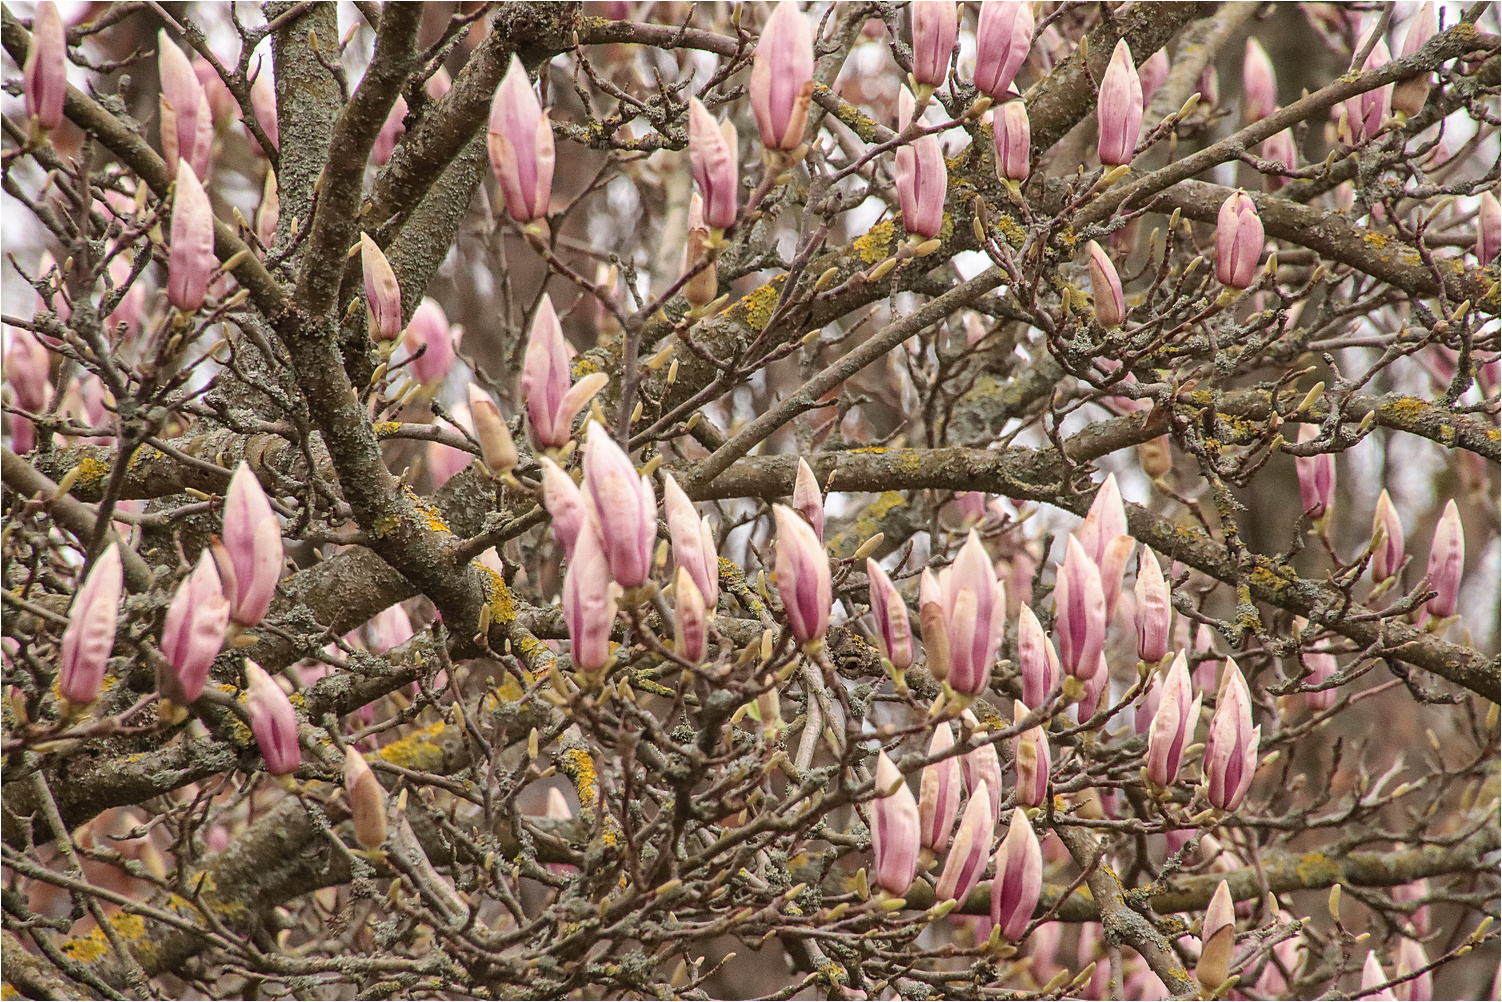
(263, 105)
(272, 721)
(893, 631)
(975, 616)
(1218, 936)
(972, 505)
(1238, 241)
(1080, 613)
(551, 400)
(931, 619)
(1095, 688)
(713, 151)
(190, 260)
(782, 77)
(1118, 110)
(444, 462)
(564, 502)
(1003, 38)
(90, 635)
(1259, 84)
(808, 500)
(250, 556)
(496, 447)
(690, 619)
(389, 629)
(982, 765)
(1033, 760)
(194, 631)
(222, 104)
(1153, 609)
(1387, 556)
(1152, 73)
(430, 333)
(936, 29)
(1209, 86)
(1316, 476)
(802, 576)
(589, 600)
(45, 75)
(693, 542)
(1488, 229)
(704, 286)
(1105, 287)
(1373, 975)
(28, 370)
(1321, 666)
(269, 211)
(939, 792)
(186, 119)
(623, 505)
(1107, 541)
(894, 829)
(1013, 135)
(1365, 113)
(1411, 957)
(1173, 724)
(971, 849)
(1281, 149)
(367, 801)
(1036, 659)
(1019, 878)
(383, 294)
(391, 132)
(922, 177)
(1446, 562)
(1231, 749)
(521, 146)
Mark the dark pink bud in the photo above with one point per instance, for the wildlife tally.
(565, 503)
(975, 614)
(1013, 136)
(1238, 241)
(1019, 878)
(1321, 667)
(936, 29)
(551, 400)
(250, 556)
(1173, 725)
(1105, 287)
(803, 579)
(982, 765)
(430, 332)
(1446, 562)
(895, 839)
(184, 108)
(521, 146)
(383, 294)
(922, 177)
(693, 542)
(1259, 84)
(1387, 554)
(690, 619)
(1003, 38)
(782, 77)
(45, 75)
(1231, 749)
(1119, 108)
(893, 630)
(190, 260)
(712, 150)
(1080, 616)
(971, 849)
(194, 631)
(90, 635)
(623, 505)
(939, 792)
(272, 721)
(1032, 759)
(1037, 661)
(391, 132)
(589, 601)
(808, 500)
(1316, 476)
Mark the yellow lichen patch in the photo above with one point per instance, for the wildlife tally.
(91, 471)
(416, 751)
(869, 522)
(430, 516)
(509, 688)
(1317, 870)
(576, 764)
(1010, 229)
(89, 948)
(502, 608)
(1377, 240)
(387, 428)
(387, 525)
(876, 243)
(758, 306)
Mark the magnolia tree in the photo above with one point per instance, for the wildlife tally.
(985, 501)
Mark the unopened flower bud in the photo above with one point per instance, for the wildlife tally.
(190, 260)
(939, 792)
(932, 623)
(1259, 84)
(893, 631)
(1387, 557)
(1032, 759)
(1231, 749)
(1373, 975)
(936, 29)
(1218, 939)
(1119, 108)
(1173, 724)
(1013, 136)
(520, 141)
(712, 150)
(1105, 287)
(1316, 476)
(808, 500)
(921, 174)
(693, 542)
(623, 505)
(1153, 610)
(272, 721)
(1003, 38)
(803, 578)
(430, 332)
(383, 295)
(1080, 617)
(895, 839)
(1488, 229)
(90, 635)
(367, 801)
(782, 77)
(45, 75)
(1238, 241)
(250, 556)
(692, 636)
(1038, 663)
(551, 400)
(1446, 562)
(194, 630)
(589, 601)
(1019, 878)
(971, 849)
(496, 447)
(564, 502)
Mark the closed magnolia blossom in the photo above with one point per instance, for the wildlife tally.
(712, 151)
(623, 505)
(803, 579)
(222, 104)
(367, 801)
(1038, 663)
(589, 600)
(808, 500)
(1373, 975)
(1316, 475)
(1019, 878)
(1238, 241)
(187, 121)
(936, 30)
(250, 553)
(1218, 940)
(975, 616)
(1080, 614)
(1365, 112)
(1173, 724)
(1106, 540)
(701, 289)
(1259, 83)
(1105, 287)
(28, 370)
(1411, 958)
(1322, 666)
(391, 131)
(1280, 148)
(1152, 73)
(1118, 109)
(430, 341)
(1488, 229)
(383, 295)
(1003, 38)
(1231, 749)
(693, 542)
(1446, 562)
(1032, 760)
(1387, 554)
(497, 449)
(1095, 688)
(263, 105)
(782, 77)
(921, 175)
(551, 398)
(272, 721)
(190, 259)
(44, 78)
(194, 631)
(931, 619)
(982, 765)
(1153, 609)
(690, 622)
(939, 792)
(564, 502)
(520, 141)
(895, 840)
(90, 635)
(1409, 95)
(971, 848)
(894, 633)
